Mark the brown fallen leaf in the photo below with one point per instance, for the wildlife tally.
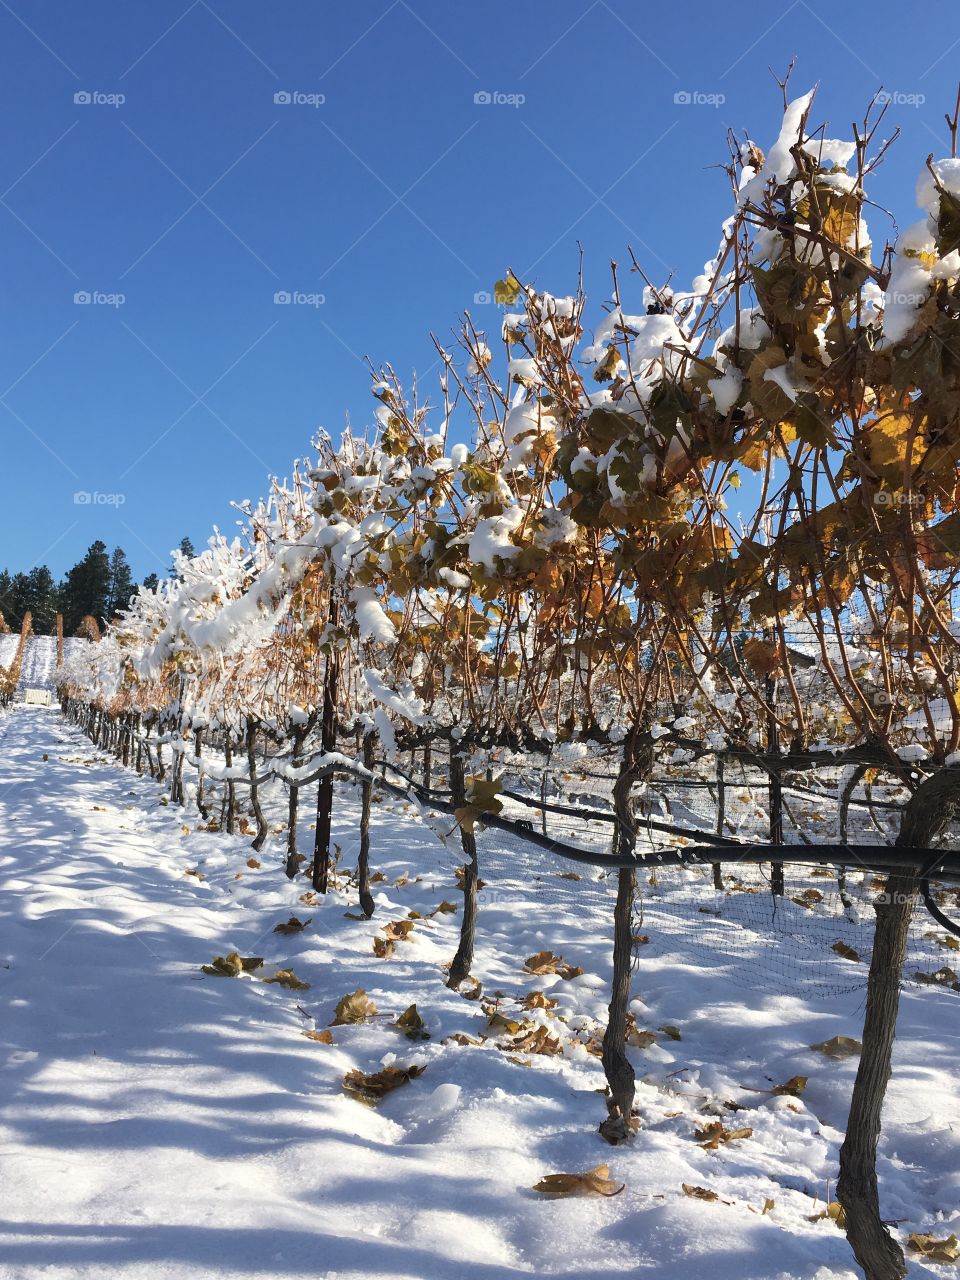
(839, 1047)
(321, 1037)
(791, 1088)
(383, 947)
(670, 1031)
(309, 899)
(769, 1206)
(634, 1036)
(538, 1040)
(287, 978)
(293, 925)
(253, 863)
(944, 977)
(371, 1088)
(847, 952)
(397, 930)
(460, 1037)
(445, 909)
(711, 1135)
(595, 1182)
(934, 1250)
(357, 1007)
(944, 940)
(698, 1193)
(232, 965)
(412, 1025)
(537, 1000)
(194, 871)
(546, 962)
(500, 1024)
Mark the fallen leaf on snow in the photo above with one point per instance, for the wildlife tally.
(371, 1088)
(698, 1193)
(357, 1007)
(791, 1088)
(945, 1250)
(322, 1037)
(287, 978)
(595, 1182)
(839, 1047)
(711, 1135)
(293, 925)
(412, 1025)
(847, 952)
(546, 962)
(232, 965)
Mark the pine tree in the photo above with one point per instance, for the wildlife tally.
(121, 583)
(86, 588)
(185, 549)
(151, 582)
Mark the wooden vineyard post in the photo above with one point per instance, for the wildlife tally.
(463, 960)
(262, 828)
(928, 813)
(619, 1124)
(328, 743)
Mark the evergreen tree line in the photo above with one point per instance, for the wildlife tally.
(101, 584)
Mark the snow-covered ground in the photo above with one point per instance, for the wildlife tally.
(39, 658)
(158, 1122)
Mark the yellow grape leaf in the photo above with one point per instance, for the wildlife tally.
(506, 291)
(833, 1211)
(792, 1088)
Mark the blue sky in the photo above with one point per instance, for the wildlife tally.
(398, 199)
